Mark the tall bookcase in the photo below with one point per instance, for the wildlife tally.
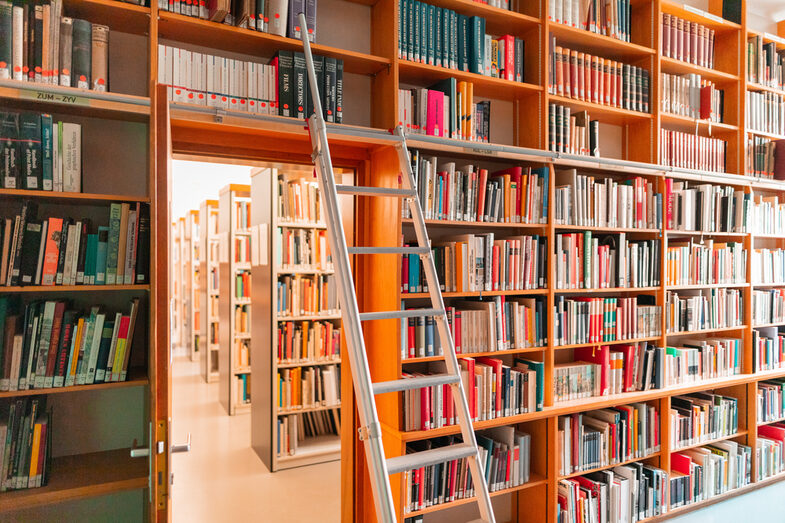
(191, 274)
(234, 365)
(176, 269)
(208, 289)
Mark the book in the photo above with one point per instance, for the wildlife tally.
(682, 257)
(25, 444)
(690, 151)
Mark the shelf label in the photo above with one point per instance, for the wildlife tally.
(43, 96)
(774, 38)
(485, 152)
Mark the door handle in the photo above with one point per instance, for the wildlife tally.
(185, 447)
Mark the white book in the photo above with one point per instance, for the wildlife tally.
(86, 344)
(41, 248)
(95, 345)
(17, 47)
(566, 12)
(71, 152)
(75, 255)
(57, 180)
(43, 346)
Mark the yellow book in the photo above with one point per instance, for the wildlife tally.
(119, 357)
(74, 360)
(36, 449)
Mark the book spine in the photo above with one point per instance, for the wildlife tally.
(81, 59)
(46, 152)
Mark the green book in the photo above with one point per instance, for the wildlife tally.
(113, 244)
(463, 42)
(409, 29)
(100, 255)
(438, 36)
(476, 44)
(46, 151)
(587, 273)
(90, 257)
(430, 22)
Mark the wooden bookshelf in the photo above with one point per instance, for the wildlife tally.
(191, 275)
(209, 325)
(176, 268)
(233, 339)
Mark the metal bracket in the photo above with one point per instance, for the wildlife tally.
(374, 430)
(219, 115)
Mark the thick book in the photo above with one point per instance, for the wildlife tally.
(70, 153)
(115, 215)
(310, 19)
(284, 65)
(330, 67)
(299, 87)
(30, 153)
(66, 35)
(47, 151)
(9, 150)
(339, 91)
(81, 58)
(141, 270)
(31, 244)
(293, 29)
(99, 58)
(6, 39)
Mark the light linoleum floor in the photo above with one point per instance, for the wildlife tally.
(222, 478)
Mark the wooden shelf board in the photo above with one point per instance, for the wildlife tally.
(600, 343)
(72, 288)
(628, 230)
(424, 75)
(673, 66)
(468, 294)
(136, 378)
(686, 123)
(309, 318)
(286, 412)
(706, 331)
(773, 136)
(769, 236)
(769, 374)
(314, 447)
(497, 20)
(119, 16)
(606, 291)
(611, 465)
(697, 15)
(765, 325)
(301, 225)
(588, 41)
(82, 476)
(768, 285)
(496, 353)
(753, 86)
(706, 233)
(461, 223)
(698, 287)
(769, 422)
(291, 365)
(604, 113)
(285, 271)
(82, 198)
(234, 39)
(709, 441)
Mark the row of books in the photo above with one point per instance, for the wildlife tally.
(306, 295)
(705, 472)
(770, 450)
(572, 133)
(691, 151)
(493, 390)
(599, 438)
(768, 266)
(768, 215)
(40, 153)
(770, 400)
(305, 249)
(308, 388)
(585, 261)
(623, 494)
(706, 208)
(242, 319)
(468, 193)
(68, 251)
(707, 263)
(481, 262)
(242, 382)
(294, 429)
(693, 96)
(702, 359)
(281, 87)
(479, 326)
(702, 416)
(595, 320)
(765, 63)
(437, 36)
(308, 342)
(687, 41)
(765, 157)
(242, 284)
(586, 201)
(40, 45)
(242, 352)
(25, 443)
(51, 344)
(505, 461)
(242, 249)
(768, 306)
(605, 17)
(278, 17)
(768, 349)
(242, 215)
(708, 309)
(446, 110)
(299, 201)
(765, 112)
(591, 78)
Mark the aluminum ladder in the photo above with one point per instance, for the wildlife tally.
(365, 390)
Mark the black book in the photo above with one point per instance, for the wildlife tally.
(30, 153)
(25, 450)
(142, 245)
(82, 251)
(520, 47)
(594, 137)
(81, 54)
(31, 244)
(28, 345)
(330, 67)
(38, 42)
(339, 91)
(310, 19)
(6, 39)
(293, 27)
(731, 10)
(29, 49)
(285, 61)
(300, 86)
(63, 247)
(318, 66)
(15, 422)
(9, 149)
(29, 210)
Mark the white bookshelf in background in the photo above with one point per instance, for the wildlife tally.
(208, 289)
(191, 274)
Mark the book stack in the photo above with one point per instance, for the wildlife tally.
(702, 417)
(586, 201)
(481, 262)
(768, 215)
(770, 450)
(584, 261)
(625, 493)
(493, 390)
(242, 319)
(242, 249)
(605, 18)
(708, 309)
(242, 286)
(39, 153)
(302, 249)
(469, 193)
(692, 96)
(768, 266)
(771, 400)
(40, 45)
(768, 306)
(242, 216)
(242, 382)
(500, 324)
(705, 472)
(300, 295)
(691, 151)
(595, 320)
(25, 443)
(572, 133)
(293, 429)
(768, 349)
(765, 63)
(50, 344)
(599, 438)
(73, 251)
(306, 341)
(590, 78)
(504, 455)
(765, 113)
(298, 201)
(702, 359)
(707, 263)
(441, 37)
(242, 351)
(308, 388)
(278, 17)
(706, 208)
(447, 110)
(687, 41)
(280, 87)
(764, 157)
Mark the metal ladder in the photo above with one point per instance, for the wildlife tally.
(365, 390)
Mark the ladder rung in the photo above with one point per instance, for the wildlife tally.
(429, 457)
(391, 315)
(359, 190)
(389, 250)
(414, 383)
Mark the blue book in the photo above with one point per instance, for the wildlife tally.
(429, 336)
(102, 242)
(46, 151)
(91, 254)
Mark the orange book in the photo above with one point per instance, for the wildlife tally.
(594, 69)
(52, 251)
(459, 283)
(34, 453)
(559, 70)
(470, 111)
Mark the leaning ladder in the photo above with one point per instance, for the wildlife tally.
(364, 388)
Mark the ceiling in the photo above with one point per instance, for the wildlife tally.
(772, 9)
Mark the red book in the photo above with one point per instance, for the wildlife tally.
(628, 372)
(496, 365)
(467, 375)
(495, 269)
(509, 57)
(481, 187)
(600, 356)
(772, 431)
(458, 338)
(705, 97)
(435, 115)
(681, 463)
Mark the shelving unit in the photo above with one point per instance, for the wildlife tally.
(209, 326)
(176, 299)
(191, 273)
(234, 360)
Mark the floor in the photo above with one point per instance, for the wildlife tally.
(222, 478)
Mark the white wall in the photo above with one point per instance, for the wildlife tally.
(194, 182)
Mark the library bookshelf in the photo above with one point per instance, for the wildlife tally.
(177, 285)
(208, 288)
(234, 258)
(191, 272)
